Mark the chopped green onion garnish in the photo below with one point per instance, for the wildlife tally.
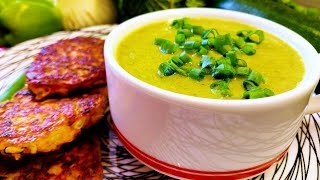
(211, 42)
(206, 34)
(180, 38)
(256, 77)
(249, 48)
(243, 71)
(210, 33)
(258, 93)
(166, 69)
(166, 46)
(206, 61)
(221, 87)
(177, 61)
(187, 32)
(202, 51)
(185, 57)
(224, 68)
(225, 60)
(243, 33)
(268, 92)
(223, 43)
(207, 71)
(248, 85)
(177, 69)
(191, 45)
(223, 71)
(208, 42)
(196, 74)
(240, 42)
(233, 58)
(204, 42)
(242, 63)
(159, 41)
(179, 23)
(186, 25)
(198, 30)
(256, 36)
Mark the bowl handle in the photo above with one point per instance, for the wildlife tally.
(314, 105)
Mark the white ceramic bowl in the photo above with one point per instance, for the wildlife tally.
(194, 138)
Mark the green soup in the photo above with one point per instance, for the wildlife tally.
(279, 63)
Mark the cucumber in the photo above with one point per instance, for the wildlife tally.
(305, 24)
(16, 85)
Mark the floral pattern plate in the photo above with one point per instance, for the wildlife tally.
(302, 162)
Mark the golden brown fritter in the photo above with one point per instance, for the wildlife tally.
(28, 126)
(77, 160)
(67, 65)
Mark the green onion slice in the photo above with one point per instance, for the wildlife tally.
(179, 23)
(187, 32)
(243, 33)
(223, 43)
(177, 61)
(223, 71)
(196, 74)
(225, 60)
(202, 51)
(178, 69)
(185, 57)
(186, 25)
(233, 58)
(192, 45)
(221, 87)
(249, 48)
(159, 41)
(256, 77)
(206, 34)
(258, 93)
(256, 36)
(249, 85)
(180, 38)
(243, 71)
(211, 42)
(240, 42)
(207, 71)
(166, 69)
(206, 61)
(210, 33)
(242, 63)
(204, 42)
(166, 46)
(198, 30)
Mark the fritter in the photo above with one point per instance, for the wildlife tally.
(77, 160)
(67, 65)
(28, 126)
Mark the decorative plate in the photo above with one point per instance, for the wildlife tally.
(301, 162)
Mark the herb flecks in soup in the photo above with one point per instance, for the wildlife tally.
(210, 58)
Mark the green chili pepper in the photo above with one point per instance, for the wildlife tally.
(18, 84)
(28, 19)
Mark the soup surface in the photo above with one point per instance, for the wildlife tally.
(280, 64)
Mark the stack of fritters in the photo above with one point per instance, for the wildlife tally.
(79, 159)
(67, 65)
(65, 93)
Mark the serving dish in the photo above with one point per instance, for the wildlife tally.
(301, 161)
(202, 138)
